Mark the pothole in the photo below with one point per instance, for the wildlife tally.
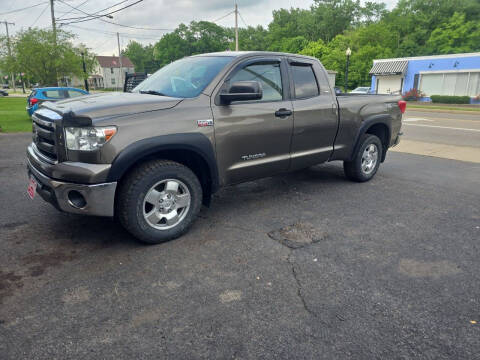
(297, 235)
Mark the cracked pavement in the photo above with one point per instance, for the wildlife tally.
(305, 265)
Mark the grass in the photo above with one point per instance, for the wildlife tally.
(13, 116)
(443, 107)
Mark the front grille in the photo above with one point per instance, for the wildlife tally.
(44, 134)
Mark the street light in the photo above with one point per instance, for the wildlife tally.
(83, 50)
(348, 53)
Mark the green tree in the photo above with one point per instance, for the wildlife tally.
(333, 17)
(32, 51)
(196, 38)
(142, 57)
(250, 38)
(455, 36)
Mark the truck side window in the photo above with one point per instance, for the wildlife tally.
(267, 74)
(305, 81)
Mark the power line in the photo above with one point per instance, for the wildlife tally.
(107, 14)
(71, 10)
(114, 23)
(39, 16)
(106, 32)
(133, 27)
(25, 8)
(241, 18)
(76, 8)
(223, 17)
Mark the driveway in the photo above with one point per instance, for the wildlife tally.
(300, 266)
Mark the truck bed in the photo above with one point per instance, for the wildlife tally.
(355, 111)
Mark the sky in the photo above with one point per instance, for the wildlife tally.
(100, 37)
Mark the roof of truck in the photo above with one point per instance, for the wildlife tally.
(245, 53)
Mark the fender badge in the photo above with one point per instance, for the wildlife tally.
(203, 123)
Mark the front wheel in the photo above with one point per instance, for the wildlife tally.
(366, 160)
(159, 201)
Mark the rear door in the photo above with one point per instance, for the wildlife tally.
(253, 137)
(315, 113)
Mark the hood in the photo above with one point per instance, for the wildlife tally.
(112, 104)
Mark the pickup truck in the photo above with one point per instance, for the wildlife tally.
(153, 156)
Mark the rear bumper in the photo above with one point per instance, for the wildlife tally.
(98, 198)
(397, 139)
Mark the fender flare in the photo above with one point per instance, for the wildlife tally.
(366, 124)
(195, 142)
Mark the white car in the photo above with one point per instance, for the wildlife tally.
(361, 90)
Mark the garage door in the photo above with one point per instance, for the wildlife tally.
(389, 84)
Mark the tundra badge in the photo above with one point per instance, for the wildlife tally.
(203, 123)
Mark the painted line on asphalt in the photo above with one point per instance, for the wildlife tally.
(443, 127)
(409, 119)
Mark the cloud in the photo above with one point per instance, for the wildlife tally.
(165, 14)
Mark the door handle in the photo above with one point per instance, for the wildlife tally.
(281, 113)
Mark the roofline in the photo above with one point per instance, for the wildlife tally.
(446, 56)
(240, 54)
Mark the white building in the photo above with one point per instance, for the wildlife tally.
(452, 74)
(107, 72)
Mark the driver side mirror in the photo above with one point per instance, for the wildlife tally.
(241, 91)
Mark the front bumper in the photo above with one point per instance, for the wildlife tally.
(98, 198)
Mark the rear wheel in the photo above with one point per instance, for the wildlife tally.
(159, 201)
(366, 160)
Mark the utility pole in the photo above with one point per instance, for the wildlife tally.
(9, 49)
(54, 28)
(85, 69)
(120, 59)
(236, 27)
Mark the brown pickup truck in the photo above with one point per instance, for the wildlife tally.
(151, 157)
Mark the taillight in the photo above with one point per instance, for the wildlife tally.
(33, 101)
(402, 105)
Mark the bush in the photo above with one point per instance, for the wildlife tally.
(412, 95)
(445, 99)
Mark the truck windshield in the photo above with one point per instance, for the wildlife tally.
(185, 78)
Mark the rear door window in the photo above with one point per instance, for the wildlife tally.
(74, 93)
(304, 80)
(53, 94)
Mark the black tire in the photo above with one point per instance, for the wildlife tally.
(133, 191)
(354, 169)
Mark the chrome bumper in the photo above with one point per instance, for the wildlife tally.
(99, 198)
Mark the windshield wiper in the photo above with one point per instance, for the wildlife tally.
(152, 92)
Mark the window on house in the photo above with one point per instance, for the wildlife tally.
(111, 70)
(113, 81)
(451, 83)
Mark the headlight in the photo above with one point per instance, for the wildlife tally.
(88, 138)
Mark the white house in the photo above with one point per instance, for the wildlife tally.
(107, 72)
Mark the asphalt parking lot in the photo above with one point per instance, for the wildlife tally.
(300, 266)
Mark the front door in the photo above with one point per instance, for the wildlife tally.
(253, 137)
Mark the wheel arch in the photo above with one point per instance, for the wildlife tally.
(193, 150)
(378, 125)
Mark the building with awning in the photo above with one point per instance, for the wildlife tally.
(453, 74)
